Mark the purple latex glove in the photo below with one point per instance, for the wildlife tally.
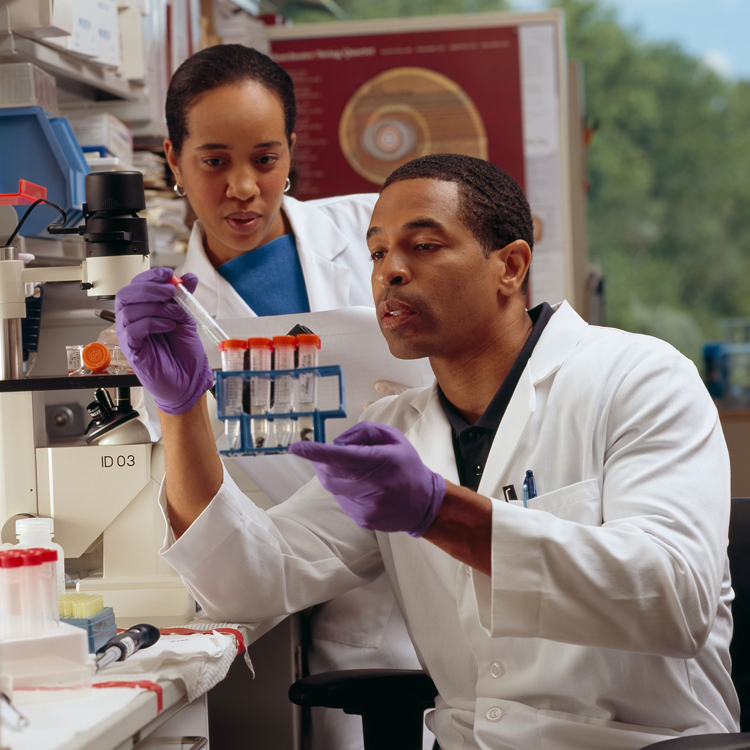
(160, 340)
(378, 478)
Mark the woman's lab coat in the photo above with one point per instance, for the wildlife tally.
(606, 621)
(362, 628)
(336, 265)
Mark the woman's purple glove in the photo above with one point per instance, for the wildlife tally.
(378, 478)
(160, 340)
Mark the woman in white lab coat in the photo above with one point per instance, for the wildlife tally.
(256, 251)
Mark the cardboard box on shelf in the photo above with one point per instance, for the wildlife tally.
(132, 49)
(40, 19)
(107, 33)
(83, 41)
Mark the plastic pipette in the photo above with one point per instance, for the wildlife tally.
(196, 311)
(126, 643)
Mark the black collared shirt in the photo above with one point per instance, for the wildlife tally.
(472, 442)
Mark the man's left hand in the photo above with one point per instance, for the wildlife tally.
(378, 478)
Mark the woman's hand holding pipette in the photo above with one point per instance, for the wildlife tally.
(160, 340)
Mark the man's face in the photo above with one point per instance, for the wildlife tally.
(435, 291)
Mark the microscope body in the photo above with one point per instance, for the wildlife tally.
(100, 494)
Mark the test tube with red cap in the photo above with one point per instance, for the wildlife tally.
(33, 596)
(232, 360)
(11, 591)
(196, 311)
(49, 586)
(283, 387)
(308, 345)
(260, 349)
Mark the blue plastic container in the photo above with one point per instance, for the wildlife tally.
(44, 151)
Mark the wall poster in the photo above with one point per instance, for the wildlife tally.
(374, 95)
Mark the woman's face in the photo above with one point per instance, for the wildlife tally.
(233, 166)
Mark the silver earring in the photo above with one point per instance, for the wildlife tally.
(177, 188)
(288, 185)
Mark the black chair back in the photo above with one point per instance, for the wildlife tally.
(739, 564)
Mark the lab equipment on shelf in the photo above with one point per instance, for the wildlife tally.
(96, 358)
(295, 392)
(283, 388)
(233, 360)
(196, 311)
(308, 345)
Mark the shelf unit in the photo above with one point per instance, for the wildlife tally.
(65, 67)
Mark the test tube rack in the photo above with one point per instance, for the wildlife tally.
(318, 416)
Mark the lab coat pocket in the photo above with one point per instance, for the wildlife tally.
(580, 502)
(563, 731)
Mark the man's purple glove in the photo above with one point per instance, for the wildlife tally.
(378, 478)
(160, 340)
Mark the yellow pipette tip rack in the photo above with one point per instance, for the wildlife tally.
(80, 606)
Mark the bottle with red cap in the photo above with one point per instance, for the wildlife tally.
(38, 533)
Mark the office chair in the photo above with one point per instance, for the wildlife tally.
(392, 702)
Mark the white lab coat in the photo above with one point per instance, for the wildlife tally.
(362, 628)
(336, 265)
(605, 624)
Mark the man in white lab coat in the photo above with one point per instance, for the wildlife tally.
(590, 612)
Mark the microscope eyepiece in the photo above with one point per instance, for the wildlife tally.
(114, 192)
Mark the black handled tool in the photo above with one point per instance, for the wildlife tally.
(126, 643)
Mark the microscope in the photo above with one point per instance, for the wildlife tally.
(104, 492)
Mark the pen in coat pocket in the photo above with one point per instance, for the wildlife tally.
(529, 488)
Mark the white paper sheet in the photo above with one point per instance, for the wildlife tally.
(351, 338)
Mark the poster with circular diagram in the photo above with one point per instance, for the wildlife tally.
(404, 113)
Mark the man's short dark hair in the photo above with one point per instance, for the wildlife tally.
(491, 203)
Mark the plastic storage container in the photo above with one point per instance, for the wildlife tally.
(55, 665)
(44, 151)
(104, 132)
(25, 85)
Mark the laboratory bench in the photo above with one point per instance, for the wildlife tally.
(142, 703)
(238, 713)
(137, 724)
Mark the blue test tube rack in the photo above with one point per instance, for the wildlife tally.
(318, 416)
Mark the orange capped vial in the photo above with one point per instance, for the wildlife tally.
(96, 357)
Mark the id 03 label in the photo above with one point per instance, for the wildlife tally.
(109, 462)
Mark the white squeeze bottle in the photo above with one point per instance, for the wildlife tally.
(38, 532)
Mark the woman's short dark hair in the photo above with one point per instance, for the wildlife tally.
(222, 65)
